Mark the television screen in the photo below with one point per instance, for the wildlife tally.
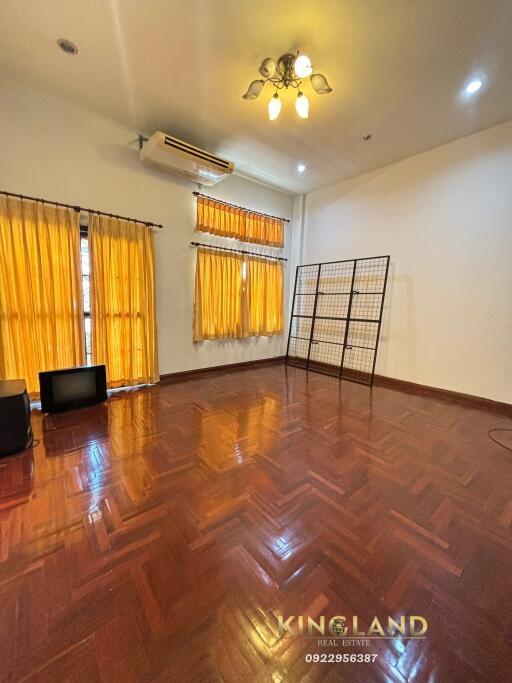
(72, 388)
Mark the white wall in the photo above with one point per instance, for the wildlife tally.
(445, 217)
(53, 149)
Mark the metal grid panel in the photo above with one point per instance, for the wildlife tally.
(301, 328)
(325, 356)
(303, 305)
(332, 331)
(336, 317)
(298, 343)
(298, 352)
(336, 278)
(306, 279)
(371, 274)
(365, 306)
(358, 364)
(332, 305)
(363, 335)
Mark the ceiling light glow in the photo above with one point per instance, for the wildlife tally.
(301, 168)
(302, 105)
(473, 86)
(274, 107)
(302, 66)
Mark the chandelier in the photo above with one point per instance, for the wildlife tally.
(288, 72)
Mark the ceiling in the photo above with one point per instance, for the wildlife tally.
(181, 66)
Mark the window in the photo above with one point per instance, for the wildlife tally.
(86, 298)
(237, 297)
(122, 296)
(41, 250)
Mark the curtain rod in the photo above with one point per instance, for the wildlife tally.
(236, 206)
(76, 208)
(238, 251)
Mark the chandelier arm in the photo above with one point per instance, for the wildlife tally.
(279, 70)
(281, 83)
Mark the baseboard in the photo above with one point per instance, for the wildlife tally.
(219, 369)
(419, 389)
(425, 390)
(380, 380)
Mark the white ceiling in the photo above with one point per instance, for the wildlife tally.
(397, 68)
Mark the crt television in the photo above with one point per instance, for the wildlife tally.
(72, 388)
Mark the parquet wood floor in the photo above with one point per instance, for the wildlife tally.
(156, 538)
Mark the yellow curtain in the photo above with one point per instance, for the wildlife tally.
(123, 319)
(264, 296)
(41, 316)
(218, 295)
(247, 226)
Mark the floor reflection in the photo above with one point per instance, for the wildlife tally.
(16, 478)
(232, 437)
(73, 429)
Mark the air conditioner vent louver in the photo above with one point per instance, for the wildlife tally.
(183, 159)
(194, 151)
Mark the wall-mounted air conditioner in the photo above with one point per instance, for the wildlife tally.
(168, 154)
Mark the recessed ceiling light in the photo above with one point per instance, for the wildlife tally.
(473, 86)
(301, 168)
(67, 46)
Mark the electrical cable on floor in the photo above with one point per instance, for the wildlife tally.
(496, 441)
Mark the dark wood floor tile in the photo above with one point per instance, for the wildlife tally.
(157, 537)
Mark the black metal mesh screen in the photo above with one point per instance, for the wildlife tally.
(336, 317)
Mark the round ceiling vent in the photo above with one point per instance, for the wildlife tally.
(67, 46)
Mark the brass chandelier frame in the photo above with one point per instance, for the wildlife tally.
(285, 77)
(289, 71)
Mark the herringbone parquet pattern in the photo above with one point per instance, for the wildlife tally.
(156, 538)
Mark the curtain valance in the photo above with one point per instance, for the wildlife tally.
(230, 221)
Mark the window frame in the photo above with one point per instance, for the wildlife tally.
(84, 235)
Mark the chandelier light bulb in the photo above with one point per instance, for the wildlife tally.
(302, 105)
(274, 107)
(302, 66)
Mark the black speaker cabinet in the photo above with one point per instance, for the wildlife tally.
(15, 427)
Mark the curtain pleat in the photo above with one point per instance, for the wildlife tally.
(218, 310)
(229, 221)
(123, 316)
(237, 297)
(264, 297)
(41, 314)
